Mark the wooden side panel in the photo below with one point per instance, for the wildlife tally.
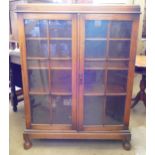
(133, 48)
(24, 70)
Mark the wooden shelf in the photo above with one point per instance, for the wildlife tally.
(105, 39)
(120, 39)
(52, 58)
(38, 68)
(117, 68)
(52, 68)
(39, 92)
(95, 68)
(37, 38)
(95, 39)
(61, 93)
(106, 68)
(56, 38)
(37, 58)
(57, 58)
(54, 91)
(99, 91)
(118, 59)
(46, 38)
(61, 68)
(95, 59)
(107, 59)
(116, 94)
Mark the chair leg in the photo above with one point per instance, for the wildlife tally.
(14, 100)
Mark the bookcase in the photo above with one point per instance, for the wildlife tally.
(77, 68)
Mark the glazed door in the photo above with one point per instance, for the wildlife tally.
(51, 70)
(104, 64)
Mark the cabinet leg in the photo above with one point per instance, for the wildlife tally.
(27, 142)
(126, 144)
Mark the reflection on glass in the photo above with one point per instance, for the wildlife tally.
(119, 49)
(35, 28)
(60, 48)
(117, 64)
(60, 28)
(61, 81)
(94, 110)
(61, 63)
(37, 48)
(96, 28)
(117, 81)
(38, 80)
(115, 109)
(40, 109)
(61, 109)
(37, 63)
(95, 49)
(100, 64)
(94, 81)
(121, 29)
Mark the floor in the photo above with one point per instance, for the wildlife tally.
(80, 147)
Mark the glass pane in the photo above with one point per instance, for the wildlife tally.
(35, 28)
(94, 110)
(116, 81)
(96, 28)
(40, 113)
(61, 64)
(95, 49)
(94, 81)
(119, 49)
(99, 64)
(115, 106)
(61, 81)
(61, 109)
(37, 63)
(60, 48)
(38, 80)
(121, 29)
(37, 48)
(119, 64)
(60, 28)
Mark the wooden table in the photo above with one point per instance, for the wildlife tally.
(15, 77)
(140, 67)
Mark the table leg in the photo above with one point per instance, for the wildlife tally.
(141, 94)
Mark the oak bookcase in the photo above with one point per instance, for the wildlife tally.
(77, 68)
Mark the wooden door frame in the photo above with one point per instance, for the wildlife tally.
(116, 17)
(22, 43)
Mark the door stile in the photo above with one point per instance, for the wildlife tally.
(81, 70)
(74, 72)
(22, 46)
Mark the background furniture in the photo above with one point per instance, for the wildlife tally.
(15, 79)
(78, 69)
(140, 67)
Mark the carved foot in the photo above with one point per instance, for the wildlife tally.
(126, 145)
(27, 143)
